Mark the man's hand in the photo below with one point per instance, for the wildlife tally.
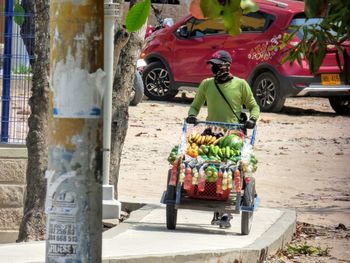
(191, 119)
(250, 124)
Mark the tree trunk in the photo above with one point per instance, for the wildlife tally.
(33, 222)
(123, 82)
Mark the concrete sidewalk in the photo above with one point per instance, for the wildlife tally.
(144, 238)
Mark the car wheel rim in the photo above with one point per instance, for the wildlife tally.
(157, 82)
(266, 92)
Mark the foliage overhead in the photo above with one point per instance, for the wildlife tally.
(137, 15)
(330, 34)
(333, 29)
(229, 10)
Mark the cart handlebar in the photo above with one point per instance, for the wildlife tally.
(224, 124)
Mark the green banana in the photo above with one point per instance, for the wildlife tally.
(216, 149)
(211, 150)
(220, 153)
(228, 152)
(223, 152)
(200, 151)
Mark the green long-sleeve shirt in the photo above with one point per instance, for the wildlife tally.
(236, 91)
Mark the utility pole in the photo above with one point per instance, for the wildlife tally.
(111, 207)
(74, 175)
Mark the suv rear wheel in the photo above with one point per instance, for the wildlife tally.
(157, 81)
(340, 105)
(267, 92)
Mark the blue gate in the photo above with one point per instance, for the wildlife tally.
(16, 61)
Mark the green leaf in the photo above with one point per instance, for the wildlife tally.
(232, 22)
(285, 59)
(18, 14)
(319, 57)
(305, 30)
(211, 8)
(285, 37)
(138, 15)
(315, 57)
(299, 59)
(333, 29)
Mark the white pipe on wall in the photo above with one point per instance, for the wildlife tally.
(110, 15)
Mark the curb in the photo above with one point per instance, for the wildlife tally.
(134, 217)
(273, 239)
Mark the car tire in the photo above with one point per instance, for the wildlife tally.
(137, 90)
(158, 82)
(340, 104)
(267, 92)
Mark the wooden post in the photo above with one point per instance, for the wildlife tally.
(74, 176)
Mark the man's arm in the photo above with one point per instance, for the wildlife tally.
(198, 101)
(249, 101)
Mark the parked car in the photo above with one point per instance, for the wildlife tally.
(137, 90)
(176, 58)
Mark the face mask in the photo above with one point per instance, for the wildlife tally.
(215, 68)
(222, 72)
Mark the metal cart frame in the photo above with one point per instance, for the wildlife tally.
(245, 202)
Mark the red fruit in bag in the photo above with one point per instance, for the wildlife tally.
(174, 170)
(219, 189)
(201, 184)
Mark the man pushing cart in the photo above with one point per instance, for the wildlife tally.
(215, 155)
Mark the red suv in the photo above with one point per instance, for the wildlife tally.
(176, 58)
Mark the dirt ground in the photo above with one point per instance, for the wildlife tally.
(303, 153)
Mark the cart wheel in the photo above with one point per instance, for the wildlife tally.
(171, 211)
(248, 200)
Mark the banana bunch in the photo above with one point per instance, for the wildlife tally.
(202, 139)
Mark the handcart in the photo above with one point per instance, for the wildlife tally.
(219, 179)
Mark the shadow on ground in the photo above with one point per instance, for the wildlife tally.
(288, 110)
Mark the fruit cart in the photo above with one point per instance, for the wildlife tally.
(212, 170)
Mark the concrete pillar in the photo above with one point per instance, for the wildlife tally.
(74, 193)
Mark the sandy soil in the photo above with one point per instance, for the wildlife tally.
(303, 155)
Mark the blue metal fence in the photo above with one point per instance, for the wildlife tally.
(16, 59)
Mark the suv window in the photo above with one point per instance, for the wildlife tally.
(204, 27)
(300, 20)
(252, 22)
(256, 22)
